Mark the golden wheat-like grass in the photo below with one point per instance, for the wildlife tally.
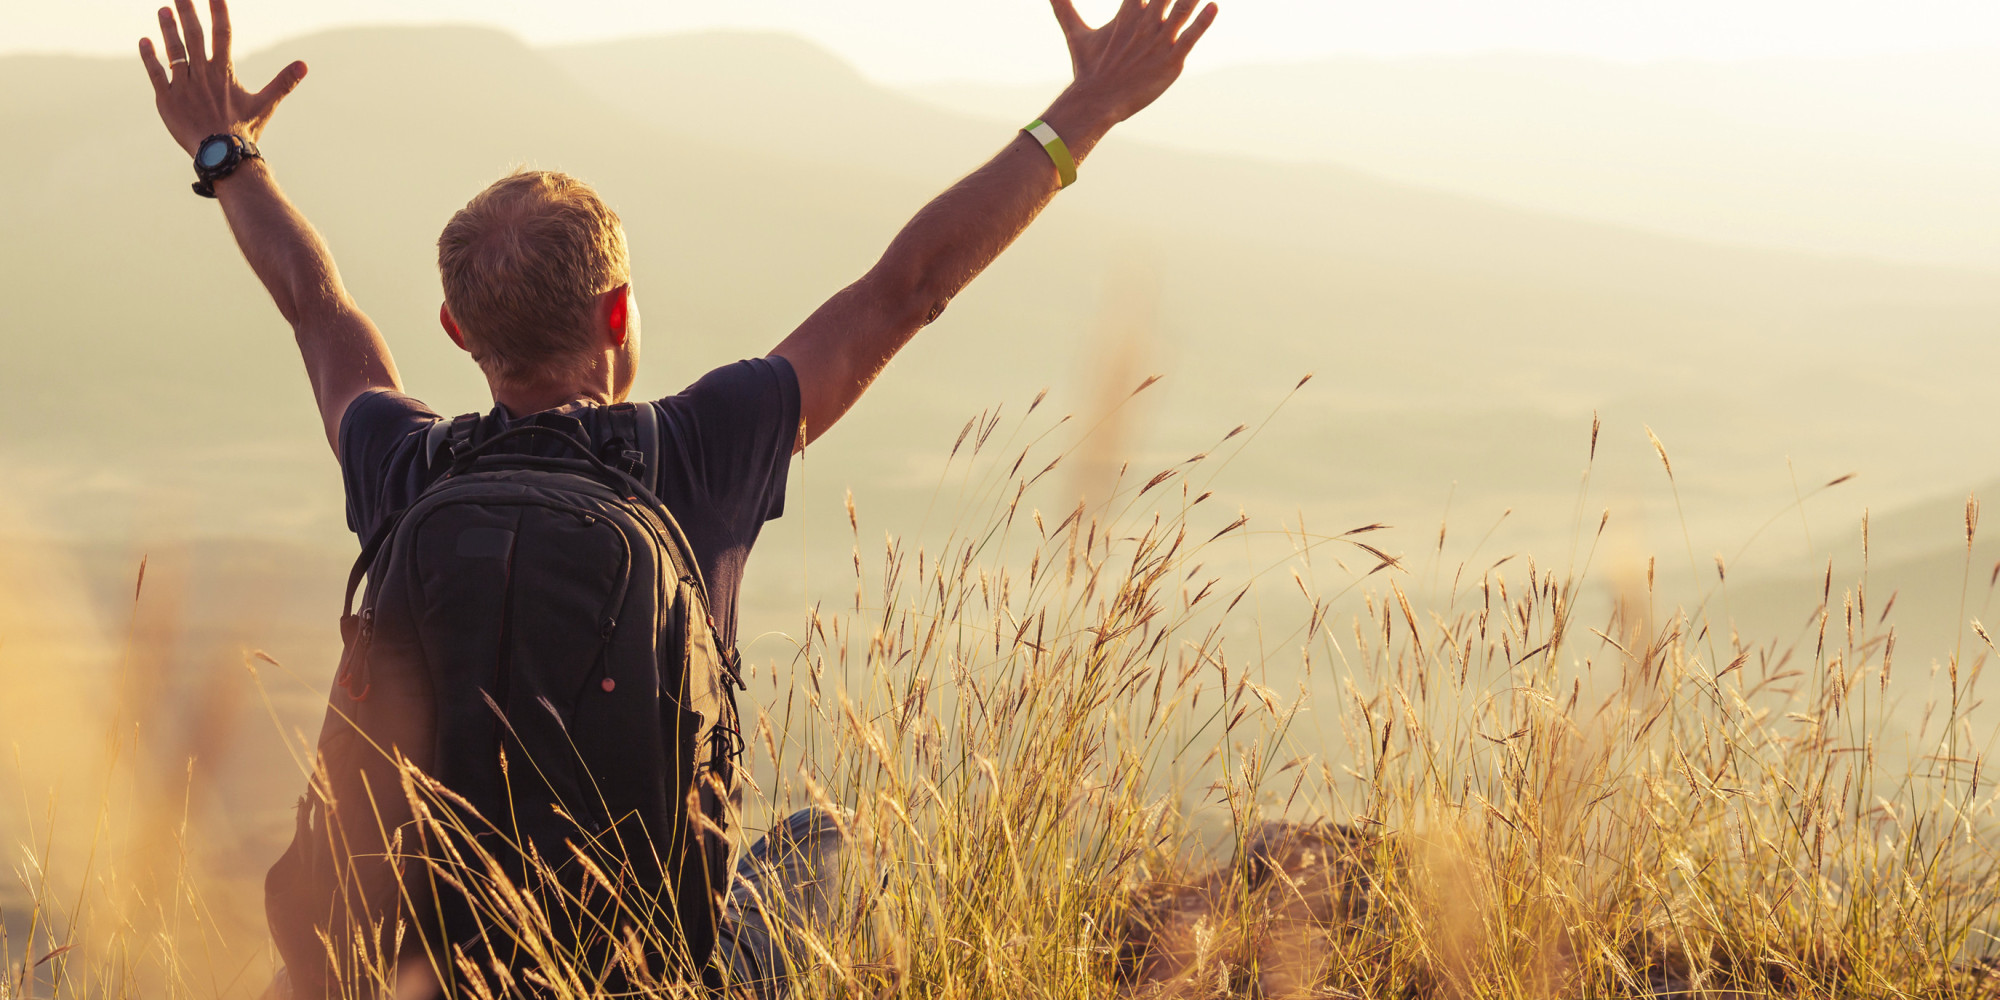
(1063, 754)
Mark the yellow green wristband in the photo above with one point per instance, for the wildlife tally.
(1058, 150)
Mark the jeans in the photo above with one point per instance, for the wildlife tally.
(788, 880)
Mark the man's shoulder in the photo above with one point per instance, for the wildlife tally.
(740, 406)
(750, 377)
(379, 418)
(379, 431)
(733, 431)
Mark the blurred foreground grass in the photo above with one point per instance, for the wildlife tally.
(1059, 731)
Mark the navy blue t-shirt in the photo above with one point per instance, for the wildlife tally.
(725, 447)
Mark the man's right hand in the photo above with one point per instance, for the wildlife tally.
(197, 91)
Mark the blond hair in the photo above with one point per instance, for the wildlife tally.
(523, 264)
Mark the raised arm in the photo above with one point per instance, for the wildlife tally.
(198, 96)
(1120, 68)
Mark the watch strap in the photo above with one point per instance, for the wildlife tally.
(240, 149)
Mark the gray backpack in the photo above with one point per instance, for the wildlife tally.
(535, 637)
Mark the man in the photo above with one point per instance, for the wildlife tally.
(537, 290)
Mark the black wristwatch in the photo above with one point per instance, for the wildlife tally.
(217, 157)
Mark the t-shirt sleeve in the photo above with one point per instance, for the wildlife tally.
(737, 425)
(381, 437)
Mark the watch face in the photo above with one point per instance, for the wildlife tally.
(212, 154)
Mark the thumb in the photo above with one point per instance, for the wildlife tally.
(1066, 15)
(284, 83)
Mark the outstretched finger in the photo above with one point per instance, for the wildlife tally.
(176, 52)
(284, 83)
(1198, 28)
(197, 47)
(154, 71)
(218, 20)
(1183, 9)
(1066, 15)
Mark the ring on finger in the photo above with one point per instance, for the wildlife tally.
(177, 62)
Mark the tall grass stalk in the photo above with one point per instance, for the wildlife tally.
(1076, 765)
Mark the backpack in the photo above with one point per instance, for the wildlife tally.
(532, 737)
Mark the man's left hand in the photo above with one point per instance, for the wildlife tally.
(1132, 59)
(197, 92)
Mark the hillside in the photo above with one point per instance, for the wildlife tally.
(1460, 346)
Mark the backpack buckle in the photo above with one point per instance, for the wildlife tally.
(459, 439)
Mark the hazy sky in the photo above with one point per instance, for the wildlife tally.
(910, 40)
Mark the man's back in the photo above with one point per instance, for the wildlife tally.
(535, 690)
(724, 448)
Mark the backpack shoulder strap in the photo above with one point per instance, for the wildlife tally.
(649, 441)
(634, 441)
(449, 437)
(433, 440)
(634, 446)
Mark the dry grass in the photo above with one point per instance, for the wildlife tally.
(1057, 730)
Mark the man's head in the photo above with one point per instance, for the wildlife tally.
(537, 287)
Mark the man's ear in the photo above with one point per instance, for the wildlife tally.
(451, 326)
(617, 308)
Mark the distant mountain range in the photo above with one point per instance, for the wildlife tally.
(1887, 156)
(1461, 346)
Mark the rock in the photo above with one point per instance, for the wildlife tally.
(1261, 926)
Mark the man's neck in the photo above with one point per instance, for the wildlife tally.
(521, 401)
